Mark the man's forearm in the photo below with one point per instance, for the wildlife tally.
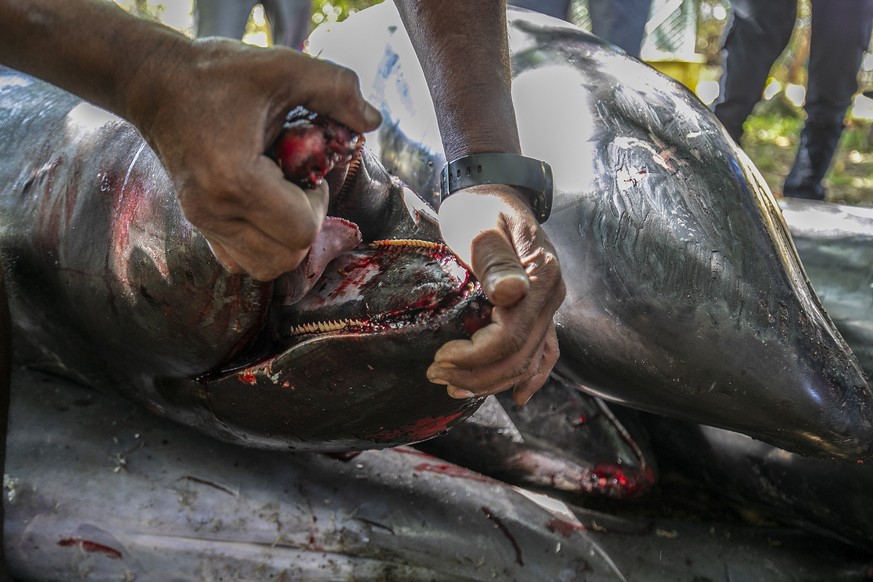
(90, 47)
(462, 47)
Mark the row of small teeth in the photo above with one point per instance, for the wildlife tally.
(325, 326)
(341, 324)
(407, 242)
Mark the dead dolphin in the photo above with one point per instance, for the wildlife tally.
(97, 489)
(564, 440)
(109, 285)
(819, 495)
(835, 243)
(685, 296)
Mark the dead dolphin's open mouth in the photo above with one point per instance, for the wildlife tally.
(390, 287)
(386, 287)
(334, 371)
(340, 360)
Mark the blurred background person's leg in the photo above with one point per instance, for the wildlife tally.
(225, 18)
(556, 8)
(840, 34)
(757, 33)
(620, 22)
(289, 21)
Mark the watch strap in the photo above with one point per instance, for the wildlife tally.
(532, 176)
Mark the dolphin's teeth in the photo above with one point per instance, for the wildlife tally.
(325, 326)
(408, 242)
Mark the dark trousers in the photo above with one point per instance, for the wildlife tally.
(757, 34)
(289, 19)
(620, 22)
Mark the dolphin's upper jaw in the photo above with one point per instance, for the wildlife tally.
(387, 288)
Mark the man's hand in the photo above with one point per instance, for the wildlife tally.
(493, 231)
(210, 109)
(464, 52)
(211, 118)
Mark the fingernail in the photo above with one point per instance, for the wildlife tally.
(372, 116)
(521, 402)
(460, 393)
(507, 287)
(434, 376)
(440, 365)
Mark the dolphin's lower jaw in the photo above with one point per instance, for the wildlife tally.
(323, 384)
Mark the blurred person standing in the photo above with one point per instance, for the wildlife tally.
(288, 19)
(757, 34)
(620, 22)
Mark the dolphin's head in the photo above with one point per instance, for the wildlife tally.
(344, 368)
(340, 361)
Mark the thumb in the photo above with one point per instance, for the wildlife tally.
(496, 264)
(471, 224)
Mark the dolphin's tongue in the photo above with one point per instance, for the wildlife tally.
(309, 147)
(337, 236)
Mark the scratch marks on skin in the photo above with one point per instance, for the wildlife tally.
(663, 156)
(222, 488)
(656, 204)
(376, 525)
(91, 547)
(130, 169)
(88, 538)
(489, 514)
(127, 209)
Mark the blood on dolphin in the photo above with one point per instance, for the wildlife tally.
(110, 285)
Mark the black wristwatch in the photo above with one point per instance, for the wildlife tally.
(534, 177)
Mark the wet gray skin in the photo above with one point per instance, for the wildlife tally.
(96, 489)
(835, 243)
(685, 295)
(111, 286)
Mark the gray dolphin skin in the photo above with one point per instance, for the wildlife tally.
(835, 243)
(685, 295)
(98, 489)
(686, 298)
(110, 285)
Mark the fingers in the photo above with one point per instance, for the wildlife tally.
(514, 350)
(334, 91)
(265, 238)
(523, 392)
(254, 220)
(281, 210)
(496, 234)
(499, 269)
